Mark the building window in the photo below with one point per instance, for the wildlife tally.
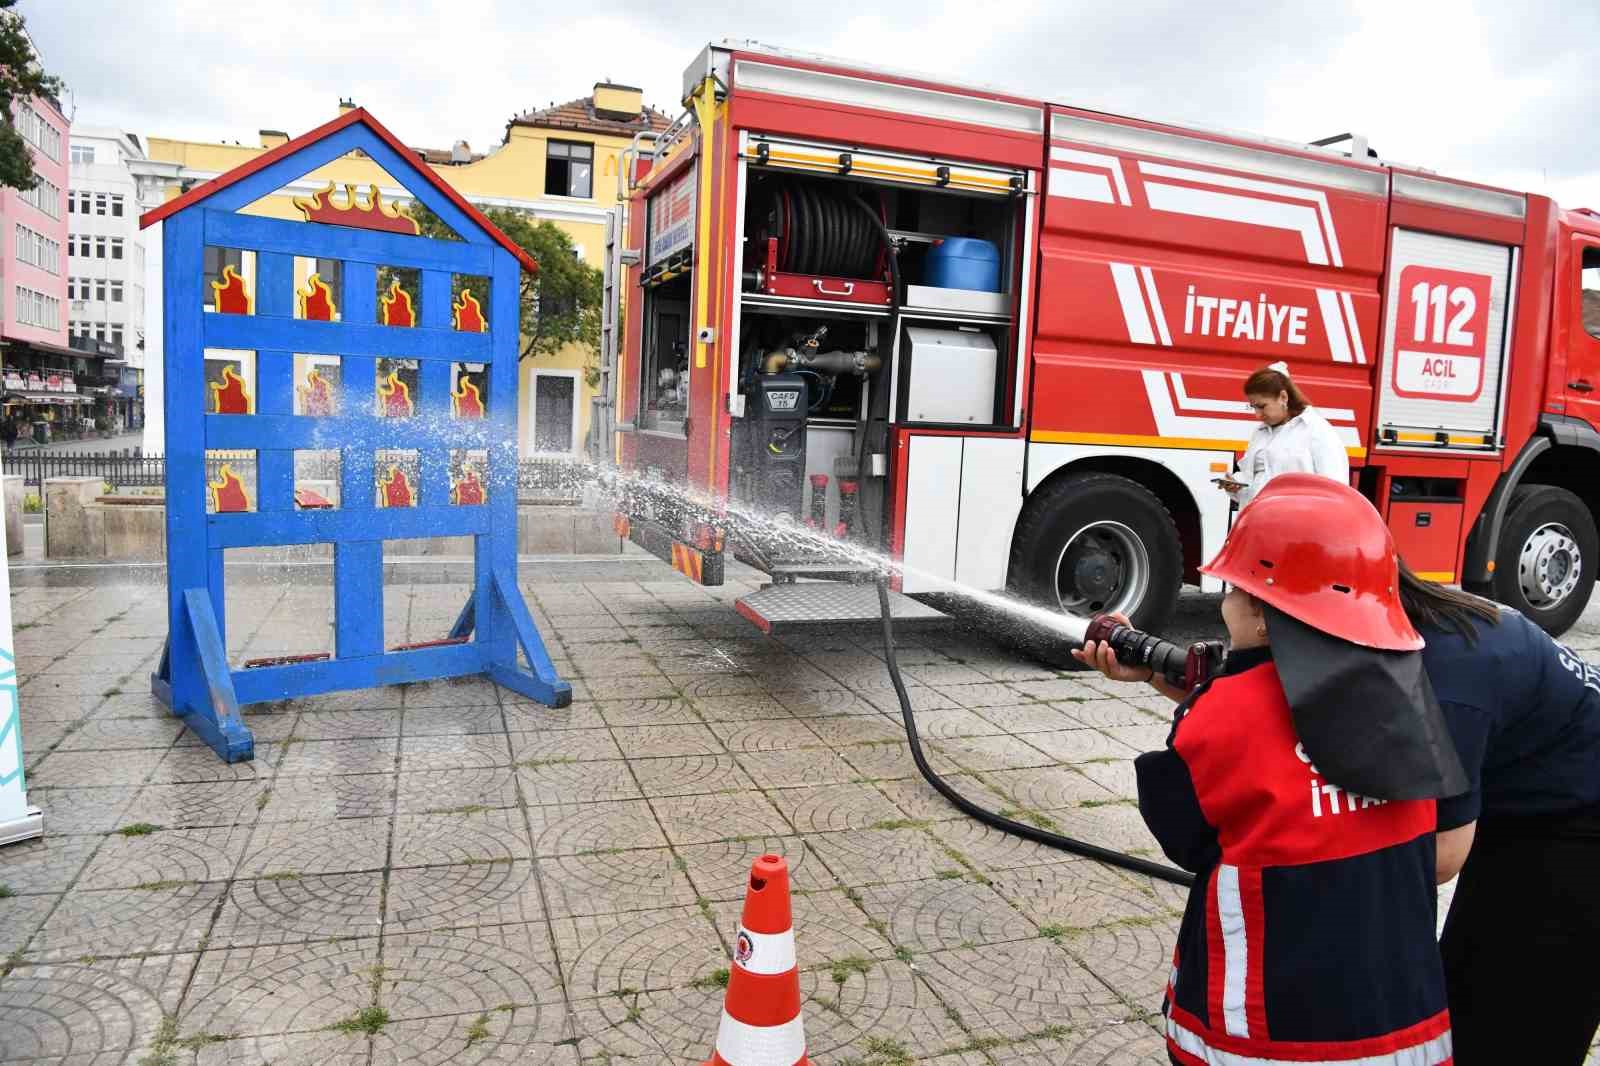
(569, 169)
(116, 247)
(43, 197)
(554, 411)
(116, 292)
(99, 247)
(83, 153)
(100, 203)
(100, 289)
(37, 132)
(99, 331)
(37, 309)
(37, 250)
(116, 205)
(116, 334)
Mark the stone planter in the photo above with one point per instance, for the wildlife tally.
(71, 529)
(15, 492)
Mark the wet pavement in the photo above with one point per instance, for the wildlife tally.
(448, 873)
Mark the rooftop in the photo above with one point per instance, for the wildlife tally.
(580, 116)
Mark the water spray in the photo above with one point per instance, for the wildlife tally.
(1181, 666)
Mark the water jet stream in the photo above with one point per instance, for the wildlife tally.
(632, 490)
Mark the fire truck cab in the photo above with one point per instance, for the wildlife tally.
(1002, 341)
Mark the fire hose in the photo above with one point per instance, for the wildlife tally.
(1182, 666)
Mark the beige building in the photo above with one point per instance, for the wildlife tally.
(559, 163)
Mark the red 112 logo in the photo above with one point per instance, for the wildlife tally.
(1441, 333)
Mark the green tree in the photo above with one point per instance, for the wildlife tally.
(560, 306)
(21, 79)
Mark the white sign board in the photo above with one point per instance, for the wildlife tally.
(18, 821)
(671, 224)
(1444, 339)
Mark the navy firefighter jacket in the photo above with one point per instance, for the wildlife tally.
(1309, 932)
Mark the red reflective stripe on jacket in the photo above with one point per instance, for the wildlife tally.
(1319, 1051)
(1216, 950)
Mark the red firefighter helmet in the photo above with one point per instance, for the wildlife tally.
(1319, 552)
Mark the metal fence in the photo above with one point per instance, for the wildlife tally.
(553, 479)
(124, 469)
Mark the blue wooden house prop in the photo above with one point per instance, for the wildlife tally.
(435, 386)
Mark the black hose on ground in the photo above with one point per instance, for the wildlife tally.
(988, 817)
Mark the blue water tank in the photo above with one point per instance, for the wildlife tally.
(964, 263)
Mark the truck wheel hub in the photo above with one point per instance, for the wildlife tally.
(1103, 567)
(1549, 566)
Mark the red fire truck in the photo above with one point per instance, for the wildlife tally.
(1003, 341)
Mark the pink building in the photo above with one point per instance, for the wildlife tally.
(41, 371)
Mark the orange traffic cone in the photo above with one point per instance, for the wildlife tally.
(761, 1024)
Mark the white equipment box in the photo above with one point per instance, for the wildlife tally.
(952, 376)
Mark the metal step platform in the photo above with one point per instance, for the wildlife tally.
(819, 569)
(787, 607)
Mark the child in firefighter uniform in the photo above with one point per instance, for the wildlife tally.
(1299, 785)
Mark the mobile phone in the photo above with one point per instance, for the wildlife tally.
(1227, 482)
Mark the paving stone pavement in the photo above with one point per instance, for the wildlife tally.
(509, 883)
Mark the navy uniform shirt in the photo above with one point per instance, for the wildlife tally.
(1524, 712)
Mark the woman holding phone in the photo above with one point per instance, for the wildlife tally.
(1292, 437)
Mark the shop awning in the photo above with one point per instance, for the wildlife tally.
(17, 345)
(65, 399)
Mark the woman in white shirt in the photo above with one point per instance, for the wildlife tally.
(1292, 436)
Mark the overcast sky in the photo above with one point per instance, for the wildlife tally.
(1507, 94)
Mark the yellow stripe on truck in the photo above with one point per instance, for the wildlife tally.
(1134, 440)
(1471, 440)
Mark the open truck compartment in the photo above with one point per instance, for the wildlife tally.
(871, 296)
(869, 292)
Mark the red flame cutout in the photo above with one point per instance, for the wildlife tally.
(316, 395)
(469, 314)
(227, 493)
(466, 401)
(467, 490)
(396, 490)
(394, 399)
(231, 296)
(397, 308)
(316, 302)
(374, 214)
(231, 397)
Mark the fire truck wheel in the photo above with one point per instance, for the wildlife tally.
(1096, 543)
(1547, 559)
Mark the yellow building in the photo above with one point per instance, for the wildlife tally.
(559, 163)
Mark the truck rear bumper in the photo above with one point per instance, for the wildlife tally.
(702, 565)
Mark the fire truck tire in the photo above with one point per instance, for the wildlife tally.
(1549, 552)
(1096, 543)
